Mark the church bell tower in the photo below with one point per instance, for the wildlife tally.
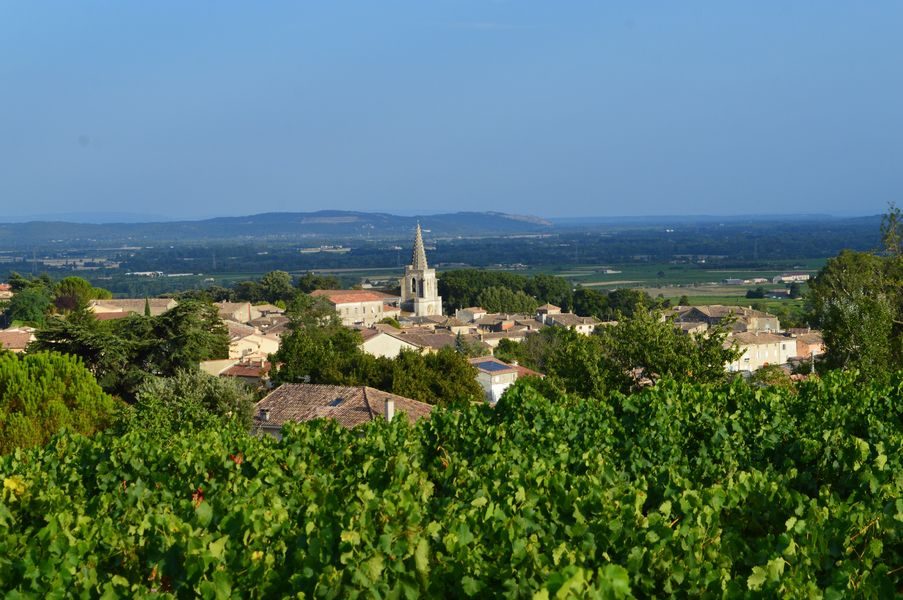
(419, 290)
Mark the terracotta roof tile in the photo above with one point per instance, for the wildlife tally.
(350, 406)
(350, 296)
(14, 340)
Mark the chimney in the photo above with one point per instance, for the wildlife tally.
(264, 414)
(390, 408)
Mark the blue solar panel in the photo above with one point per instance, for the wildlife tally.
(492, 366)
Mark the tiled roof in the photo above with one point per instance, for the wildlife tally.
(437, 341)
(239, 330)
(719, 311)
(14, 340)
(814, 337)
(269, 309)
(749, 339)
(110, 316)
(268, 321)
(5, 287)
(570, 320)
(351, 296)
(350, 406)
(247, 370)
(158, 306)
(525, 372)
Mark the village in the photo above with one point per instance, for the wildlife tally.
(414, 321)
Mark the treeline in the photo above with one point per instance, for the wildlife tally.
(680, 490)
(275, 287)
(498, 291)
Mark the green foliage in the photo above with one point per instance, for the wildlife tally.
(469, 348)
(276, 286)
(464, 287)
(892, 230)
(504, 300)
(648, 346)
(857, 301)
(756, 294)
(186, 335)
(30, 305)
(72, 293)
(121, 353)
(390, 321)
(682, 491)
(638, 350)
(319, 349)
(590, 303)
(627, 302)
(100, 346)
(771, 376)
(443, 377)
(190, 399)
(42, 393)
(312, 281)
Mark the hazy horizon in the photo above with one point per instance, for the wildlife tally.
(103, 218)
(561, 111)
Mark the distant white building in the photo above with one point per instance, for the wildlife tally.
(795, 276)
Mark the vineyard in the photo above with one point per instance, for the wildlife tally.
(681, 490)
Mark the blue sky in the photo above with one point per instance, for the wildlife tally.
(195, 109)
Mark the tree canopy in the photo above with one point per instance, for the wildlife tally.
(188, 400)
(857, 302)
(44, 392)
(121, 353)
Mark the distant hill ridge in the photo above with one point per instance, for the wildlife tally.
(282, 225)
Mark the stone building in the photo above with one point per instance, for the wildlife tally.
(419, 289)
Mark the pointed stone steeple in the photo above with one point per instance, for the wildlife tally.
(418, 261)
(419, 288)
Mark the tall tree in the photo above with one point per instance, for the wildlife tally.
(588, 302)
(647, 346)
(187, 334)
(105, 353)
(30, 305)
(856, 304)
(892, 230)
(72, 293)
(276, 286)
(313, 281)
